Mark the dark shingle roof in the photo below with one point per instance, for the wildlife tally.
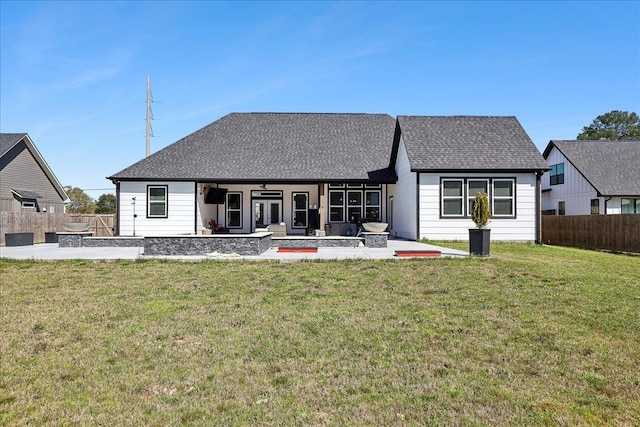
(612, 167)
(276, 146)
(8, 140)
(459, 143)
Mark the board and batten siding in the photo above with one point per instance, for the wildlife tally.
(576, 191)
(520, 228)
(20, 170)
(181, 217)
(404, 197)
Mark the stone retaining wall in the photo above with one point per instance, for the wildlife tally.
(245, 244)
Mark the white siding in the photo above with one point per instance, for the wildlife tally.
(181, 210)
(576, 191)
(404, 197)
(520, 228)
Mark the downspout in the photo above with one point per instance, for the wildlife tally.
(606, 202)
(538, 207)
(417, 206)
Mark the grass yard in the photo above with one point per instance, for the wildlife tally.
(535, 335)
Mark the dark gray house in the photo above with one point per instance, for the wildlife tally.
(329, 171)
(27, 183)
(592, 177)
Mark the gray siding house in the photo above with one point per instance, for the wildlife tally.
(27, 183)
(327, 172)
(592, 177)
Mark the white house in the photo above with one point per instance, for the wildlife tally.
(592, 177)
(332, 171)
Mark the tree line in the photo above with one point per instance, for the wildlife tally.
(81, 203)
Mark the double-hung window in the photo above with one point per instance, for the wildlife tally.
(475, 186)
(354, 205)
(503, 197)
(157, 201)
(336, 206)
(452, 197)
(234, 210)
(556, 175)
(300, 209)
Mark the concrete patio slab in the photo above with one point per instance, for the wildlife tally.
(51, 251)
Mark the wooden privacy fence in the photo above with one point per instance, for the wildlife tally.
(619, 233)
(39, 223)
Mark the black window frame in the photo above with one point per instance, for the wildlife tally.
(556, 178)
(466, 199)
(294, 209)
(155, 202)
(227, 209)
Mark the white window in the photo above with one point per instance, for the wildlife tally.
(354, 205)
(157, 203)
(475, 186)
(452, 197)
(300, 206)
(28, 204)
(234, 210)
(503, 197)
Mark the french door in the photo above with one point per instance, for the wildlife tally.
(266, 212)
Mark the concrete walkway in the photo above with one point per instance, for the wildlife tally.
(51, 251)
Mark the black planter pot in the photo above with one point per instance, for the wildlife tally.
(479, 241)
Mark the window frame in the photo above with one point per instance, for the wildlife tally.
(341, 206)
(294, 209)
(595, 207)
(512, 197)
(633, 202)
(228, 210)
(165, 203)
(562, 207)
(471, 198)
(466, 199)
(556, 178)
(461, 197)
(28, 204)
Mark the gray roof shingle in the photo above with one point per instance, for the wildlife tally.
(8, 140)
(276, 147)
(468, 143)
(612, 167)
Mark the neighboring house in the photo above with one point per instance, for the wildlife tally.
(27, 183)
(327, 171)
(592, 177)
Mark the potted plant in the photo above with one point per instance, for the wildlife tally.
(480, 238)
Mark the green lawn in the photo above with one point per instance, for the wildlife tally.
(534, 335)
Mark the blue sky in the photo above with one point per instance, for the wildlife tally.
(73, 74)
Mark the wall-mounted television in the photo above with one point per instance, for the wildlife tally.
(215, 196)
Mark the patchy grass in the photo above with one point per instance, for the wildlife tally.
(534, 335)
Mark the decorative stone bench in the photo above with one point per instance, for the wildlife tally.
(71, 239)
(375, 240)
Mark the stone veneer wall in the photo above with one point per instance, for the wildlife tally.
(246, 244)
(113, 242)
(71, 240)
(375, 240)
(315, 242)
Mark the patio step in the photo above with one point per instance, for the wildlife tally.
(418, 253)
(298, 250)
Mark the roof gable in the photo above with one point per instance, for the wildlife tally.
(10, 140)
(611, 167)
(465, 143)
(276, 146)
